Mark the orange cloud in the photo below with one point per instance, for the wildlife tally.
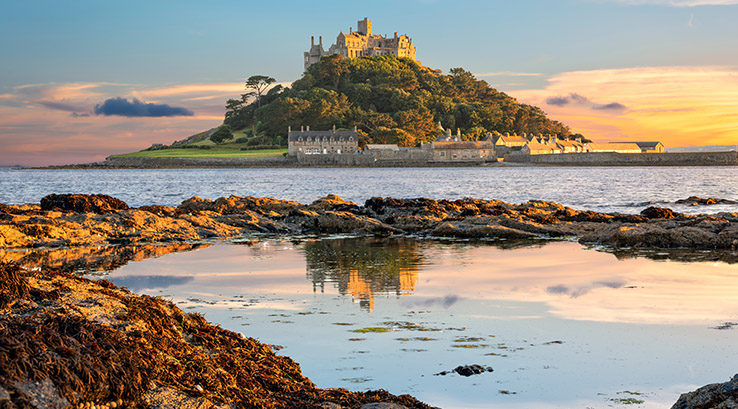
(680, 106)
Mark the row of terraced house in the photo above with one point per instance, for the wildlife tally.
(333, 144)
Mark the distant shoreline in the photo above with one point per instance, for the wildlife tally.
(569, 160)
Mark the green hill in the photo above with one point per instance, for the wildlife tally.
(389, 100)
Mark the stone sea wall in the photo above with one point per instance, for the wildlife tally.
(629, 159)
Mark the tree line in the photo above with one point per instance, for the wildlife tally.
(389, 100)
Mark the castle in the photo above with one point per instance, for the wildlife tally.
(361, 43)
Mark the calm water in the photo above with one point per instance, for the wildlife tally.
(626, 190)
(562, 326)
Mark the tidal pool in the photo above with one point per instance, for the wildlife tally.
(563, 326)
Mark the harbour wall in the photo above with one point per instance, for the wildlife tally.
(629, 159)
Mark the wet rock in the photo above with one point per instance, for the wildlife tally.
(658, 213)
(42, 394)
(382, 405)
(696, 201)
(82, 203)
(91, 344)
(714, 396)
(332, 222)
(169, 398)
(463, 230)
(468, 370)
(333, 202)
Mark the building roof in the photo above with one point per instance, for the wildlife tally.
(648, 144)
(463, 145)
(614, 146)
(535, 146)
(511, 139)
(565, 142)
(312, 135)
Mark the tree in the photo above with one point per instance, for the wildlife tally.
(258, 84)
(221, 134)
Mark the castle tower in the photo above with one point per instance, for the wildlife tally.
(364, 26)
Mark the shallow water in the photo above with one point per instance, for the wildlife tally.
(608, 189)
(562, 326)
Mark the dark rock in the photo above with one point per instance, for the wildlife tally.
(696, 200)
(333, 202)
(382, 405)
(100, 204)
(469, 370)
(714, 396)
(658, 213)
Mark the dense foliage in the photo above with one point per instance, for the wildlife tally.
(389, 100)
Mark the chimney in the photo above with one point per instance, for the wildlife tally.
(289, 129)
(395, 35)
(312, 41)
(321, 40)
(458, 132)
(334, 128)
(302, 129)
(308, 128)
(355, 128)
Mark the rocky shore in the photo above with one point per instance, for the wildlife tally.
(84, 220)
(67, 342)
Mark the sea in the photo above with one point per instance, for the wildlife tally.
(555, 323)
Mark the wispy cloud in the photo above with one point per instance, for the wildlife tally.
(580, 100)
(55, 123)
(681, 106)
(508, 74)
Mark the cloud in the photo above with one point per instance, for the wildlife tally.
(60, 106)
(561, 289)
(577, 99)
(444, 302)
(135, 108)
(508, 74)
(68, 131)
(679, 106)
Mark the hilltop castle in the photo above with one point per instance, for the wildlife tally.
(361, 43)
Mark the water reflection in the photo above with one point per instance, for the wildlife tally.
(363, 267)
(91, 259)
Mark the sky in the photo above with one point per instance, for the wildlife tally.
(81, 80)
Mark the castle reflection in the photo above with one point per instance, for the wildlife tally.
(364, 267)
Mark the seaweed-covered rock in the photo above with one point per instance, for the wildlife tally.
(714, 396)
(100, 204)
(72, 342)
(658, 213)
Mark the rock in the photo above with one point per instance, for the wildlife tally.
(469, 370)
(382, 405)
(333, 202)
(658, 213)
(330, 405)
(93, 343)
(696, 201)
(82, 203)
(42, 394)
(714, 396)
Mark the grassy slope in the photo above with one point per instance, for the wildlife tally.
(219, 152)
(225, 150)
